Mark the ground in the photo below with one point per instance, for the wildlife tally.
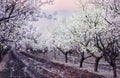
(22, 65)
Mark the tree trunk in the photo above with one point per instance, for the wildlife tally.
(0, 58)
(66, 58)
(96, 64)
(44, 54)
(1, 55)
(81, 62)
(55, 56)
(114, 72)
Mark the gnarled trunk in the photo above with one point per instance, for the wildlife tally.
(114, 71)
(81, 62)
(97, 60)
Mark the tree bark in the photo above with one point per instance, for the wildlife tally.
(96, 64)
(114, 72)
(1, 55)
(81, 62)
(0, 59)
(66, 58)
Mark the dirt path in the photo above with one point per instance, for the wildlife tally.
(21, 65)
(55, 69)
(13, 67)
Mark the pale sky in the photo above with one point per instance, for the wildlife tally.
(70, 5)
(62, 5)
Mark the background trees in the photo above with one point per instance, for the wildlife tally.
(92, 32)
(62, 41)
(15, 14)
(95, 33)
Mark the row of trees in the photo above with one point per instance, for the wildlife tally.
(95, 32)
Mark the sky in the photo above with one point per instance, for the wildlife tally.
(58, 5)
(62, 5)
